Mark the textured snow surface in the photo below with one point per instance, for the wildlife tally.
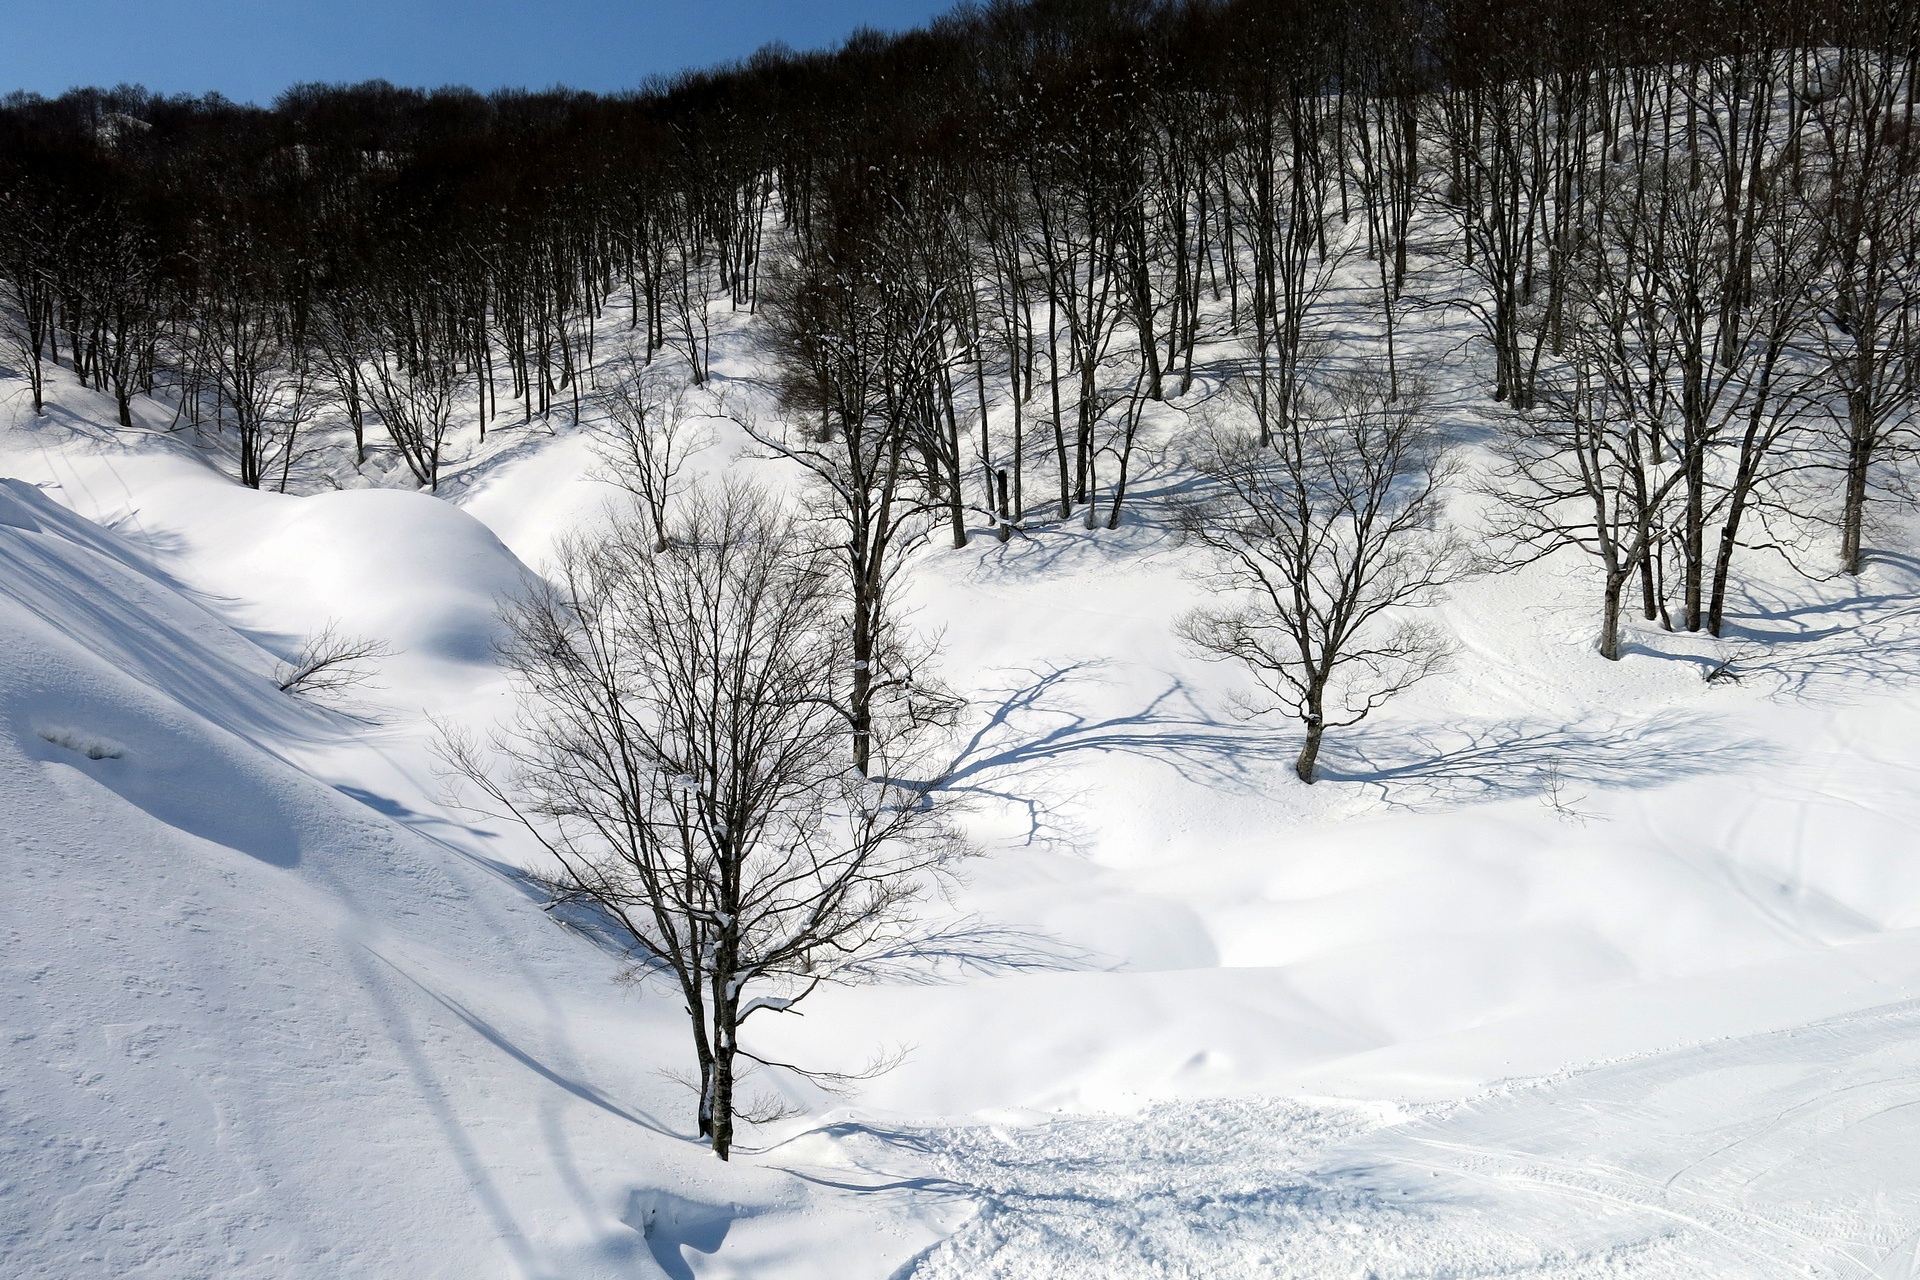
(1767, 1155)
(1568, 968)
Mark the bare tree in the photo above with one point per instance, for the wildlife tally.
(689, 294)
(414, 387)
(643, 441)
(261, 363)
(1498, 191)
(1867, 183)
(339, 344)
(329, 663)
(679, 754)
(28, 253)
(1580, 470)
(1670, 402)
(856, 338)
(1321, 544)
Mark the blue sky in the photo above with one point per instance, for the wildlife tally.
(252, 49)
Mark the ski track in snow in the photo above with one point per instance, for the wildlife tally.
(1760, 1156)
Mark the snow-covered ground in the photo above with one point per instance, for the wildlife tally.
(1568, 968)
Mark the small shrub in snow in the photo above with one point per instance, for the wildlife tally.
(330, 662)
(93, 748)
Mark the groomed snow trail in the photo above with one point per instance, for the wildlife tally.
(1778, 1155)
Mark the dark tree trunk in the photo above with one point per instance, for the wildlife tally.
(1610, 616)
(1304, 767)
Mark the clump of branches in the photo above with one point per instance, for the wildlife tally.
(329, 663)
(1319, 546)
(682, 754)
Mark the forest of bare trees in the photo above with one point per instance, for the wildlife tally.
(1689, 240)
(1685, 239)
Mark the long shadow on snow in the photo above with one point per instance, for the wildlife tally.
(1068, 545)
(1508, 759)
(122, 601)
(501, 1041)
(1812, 648)
(1037, 727)
(582, 918)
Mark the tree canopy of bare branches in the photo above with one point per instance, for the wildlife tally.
(1320, 546)
(679, 754)
(643, 440)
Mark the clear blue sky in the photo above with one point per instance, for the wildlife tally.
(252, 49)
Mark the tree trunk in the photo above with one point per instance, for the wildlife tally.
(1059, 427)
(722, 1119)
(1696, 533)
(1723, 561)
(956, 503)
(1853, 515)
(1303, 767)
(1610, 617)
(860, 704)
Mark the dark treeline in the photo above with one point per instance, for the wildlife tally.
(989, 245)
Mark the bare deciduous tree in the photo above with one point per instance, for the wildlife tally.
(856, 338)
(679, 754)
(1579, 470)
(28, 253)
(260, 362)
(1867, 182)
(1322, 543)
(643, 441)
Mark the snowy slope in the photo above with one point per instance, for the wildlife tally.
(1347, 1029)
(258, 1025)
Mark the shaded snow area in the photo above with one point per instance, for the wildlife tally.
(1567, 968)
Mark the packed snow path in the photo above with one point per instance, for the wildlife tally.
(1787, 1154)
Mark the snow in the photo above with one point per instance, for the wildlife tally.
(261, 1021)
(1763, 1155)
(1569, 968)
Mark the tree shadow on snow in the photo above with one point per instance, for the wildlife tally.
(1038, 728)
(672, 1224)
(507, 1045)
(1815, 649)
(1420, 766)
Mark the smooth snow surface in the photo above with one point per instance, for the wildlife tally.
(1568, 968)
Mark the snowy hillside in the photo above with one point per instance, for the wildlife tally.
(268, 1011)
(1567, 968)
